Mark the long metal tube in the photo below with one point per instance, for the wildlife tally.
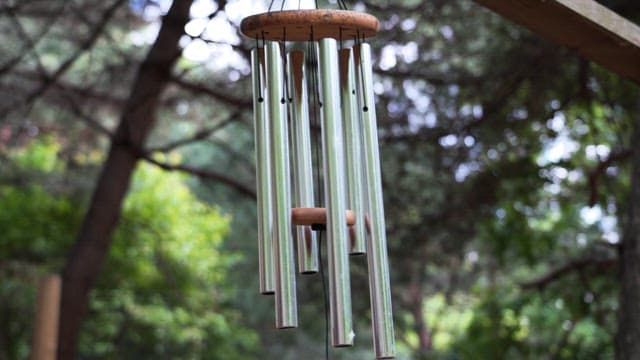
(263, 182)
(301, 161)
(379, 287)
(285, 281)
(337, 238)
(359, 105)
(353, 150)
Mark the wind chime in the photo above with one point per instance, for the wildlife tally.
(304, 78)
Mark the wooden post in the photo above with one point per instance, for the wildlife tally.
(45, 326)
(590, 29)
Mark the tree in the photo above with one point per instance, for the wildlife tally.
(85, 262)
(628, 312)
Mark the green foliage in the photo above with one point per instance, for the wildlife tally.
(163, 288)
(41, 155)
(37, 225)
(163, 292)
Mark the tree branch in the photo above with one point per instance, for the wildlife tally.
(90, 121)
(199, 135)
(205, 174)
(575, 265)
(31, 43)
(204, 90)
(602, 166)
(146, 155)
(50, 79)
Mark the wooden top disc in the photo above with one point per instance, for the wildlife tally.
(307, 25)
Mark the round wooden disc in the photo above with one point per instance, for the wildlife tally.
(307, 25)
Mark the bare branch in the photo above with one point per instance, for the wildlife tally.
(205, 174)
(31, 43)
(218, 95)
(93, 123)
(602, 166)
(146, 155)
(50, 79)
(75, 89)
(575, 265)
(200, 135)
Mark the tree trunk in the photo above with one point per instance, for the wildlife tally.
(421, 328)
(628, 335)
(138, 117)
(415, 302)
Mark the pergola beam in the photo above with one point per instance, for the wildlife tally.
(584, 26)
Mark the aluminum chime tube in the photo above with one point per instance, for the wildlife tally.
(378, 263)
(301, 161)
(285, 281)
(353, 150)
(263, 173)
(337, 236)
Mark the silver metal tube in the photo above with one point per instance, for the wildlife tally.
(379, 287)
(263, 183)
(353, 150)
(285, 281)
(359, 106)
(337, 241)
(301, 157)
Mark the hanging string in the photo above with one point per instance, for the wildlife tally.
(282, 4)
(359, 42)
(316, 104)
(260, 98)
(342, 5)
(325, 297)
(313, 84)
(283, 52)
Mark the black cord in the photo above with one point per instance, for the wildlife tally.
(316, 105)
(285, 78)
(359, 42)
(259, 59)
(326, 299)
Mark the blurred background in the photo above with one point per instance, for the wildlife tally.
(505, 163)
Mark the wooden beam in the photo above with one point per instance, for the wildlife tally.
(584, 26)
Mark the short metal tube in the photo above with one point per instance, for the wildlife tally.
(263, 182)
(337, 238)
(301, 157)
(353, 150)
(285, 282)
(378, 263)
